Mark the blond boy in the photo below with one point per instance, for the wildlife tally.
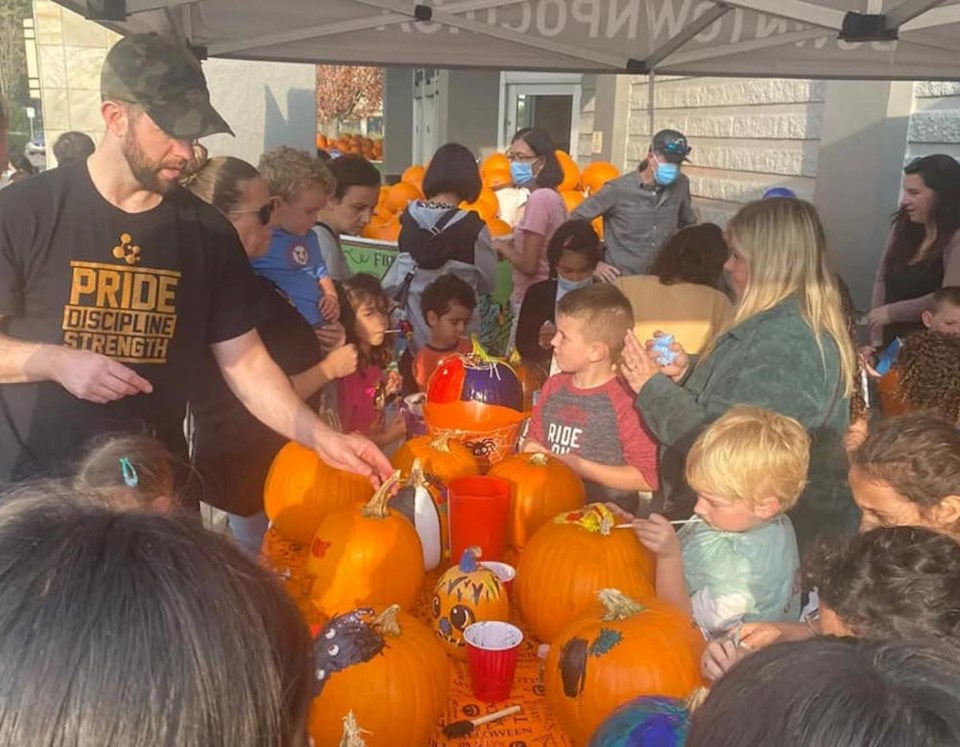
(585, 413)
(299, 185)
(737, 561)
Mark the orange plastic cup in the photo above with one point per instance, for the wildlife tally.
(479, 510)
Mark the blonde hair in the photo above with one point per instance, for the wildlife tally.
(605, 312)
(750, 454)
(289, 171)
(129, 471)
(784, 242)
(218, 180)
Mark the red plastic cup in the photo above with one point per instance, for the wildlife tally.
(479, 507)
(504, 571)
(492, 652)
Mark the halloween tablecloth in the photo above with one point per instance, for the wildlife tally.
(534, 726)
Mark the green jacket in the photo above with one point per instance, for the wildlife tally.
(771, 360)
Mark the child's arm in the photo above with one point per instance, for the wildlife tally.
(619, 477)
(339, 363)
(658, 536)
(530, 446)
(330, 303)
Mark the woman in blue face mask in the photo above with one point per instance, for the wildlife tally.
(573, 254)
(534, 167)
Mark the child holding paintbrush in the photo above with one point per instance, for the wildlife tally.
(737, 561)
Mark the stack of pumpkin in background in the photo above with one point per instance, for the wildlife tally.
(495, 173)
(368, 147)
(356, 561)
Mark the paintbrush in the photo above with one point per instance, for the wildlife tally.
(461, 729)
(678, 522)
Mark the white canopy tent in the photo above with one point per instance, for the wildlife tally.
(856, 39)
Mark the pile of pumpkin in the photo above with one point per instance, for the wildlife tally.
(495, 174)
(369, 148)
(582, 586)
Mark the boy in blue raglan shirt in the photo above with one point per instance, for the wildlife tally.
(299, 185)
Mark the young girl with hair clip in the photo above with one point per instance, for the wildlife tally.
(129, 471)
(787, 349)
(362, 396)
(139, 629)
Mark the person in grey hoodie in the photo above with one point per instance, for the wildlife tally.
(438, 238)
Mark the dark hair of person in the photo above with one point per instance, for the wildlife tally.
(23, 164)
(695, 254)
(892, 583)
(948, 295)
(828, 692)
(354, 292)
(141, 629)
(72, 147)
(217, 181)
(918, 455)
(114, 460)
(940, 173)
(551, 175)
(929, 373)
(444, 291)
(352, 170)
(453, 169)
(324, 156)
(575, 235)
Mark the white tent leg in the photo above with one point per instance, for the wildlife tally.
(652, 104)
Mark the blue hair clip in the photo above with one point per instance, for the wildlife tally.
(129, 472)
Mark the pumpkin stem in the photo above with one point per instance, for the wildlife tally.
(468, 561)
(618, 605)
(441, 442)
(377, 507)
(478, 352)
(351, 732)
(386, 622)
(539, 459)
(416, 473)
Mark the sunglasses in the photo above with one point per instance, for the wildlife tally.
(263, 213)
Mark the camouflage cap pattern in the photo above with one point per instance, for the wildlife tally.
(167, 80)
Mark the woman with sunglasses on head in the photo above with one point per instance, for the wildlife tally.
(533, 166)
(232, 451)
(921, 253)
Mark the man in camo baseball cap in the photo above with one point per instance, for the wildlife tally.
(166, 80)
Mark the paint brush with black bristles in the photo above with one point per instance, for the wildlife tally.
(461, 729)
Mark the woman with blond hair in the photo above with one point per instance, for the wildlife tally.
(787, 349)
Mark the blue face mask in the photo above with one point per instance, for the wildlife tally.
(521, 173)
(666, 173)
(564, 286)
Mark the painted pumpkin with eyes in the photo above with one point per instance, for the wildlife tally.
(465, 594)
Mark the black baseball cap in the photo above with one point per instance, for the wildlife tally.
(672, 145)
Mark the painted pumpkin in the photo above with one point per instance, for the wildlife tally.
(366, 556)
(301, 490)
(424, 504)
(531, 378)
(465, 594)
(569, 560)
(630, 649)
(645, 721)
(441, 457)
(389, 670)
(541, 486)
(490, 432)
(475, 377)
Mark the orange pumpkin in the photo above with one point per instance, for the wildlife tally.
(495, 162)
(399, 195)
(486, 205)
(596, 174)
(541, 486)
(571, 172)
(597, 224)
(414, 175)
(301, 490)
(496, 178)
(602, 661)
(498, 227)
(572, 199)
(569, 560)
(531, 378)
(440, 456)
(465, 594)
(366, 555)
(390, 671)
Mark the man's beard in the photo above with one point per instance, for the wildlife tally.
(145, 172)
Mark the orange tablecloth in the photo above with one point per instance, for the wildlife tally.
(534, 726)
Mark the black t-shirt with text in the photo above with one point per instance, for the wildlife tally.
(232, 449)
(152, 290)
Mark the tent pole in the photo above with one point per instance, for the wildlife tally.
(652, 103)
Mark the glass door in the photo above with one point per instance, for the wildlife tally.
(554, 107)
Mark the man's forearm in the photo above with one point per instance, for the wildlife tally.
(21, 362)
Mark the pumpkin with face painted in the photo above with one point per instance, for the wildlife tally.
(465, 594)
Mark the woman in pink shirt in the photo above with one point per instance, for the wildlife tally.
(533, 166)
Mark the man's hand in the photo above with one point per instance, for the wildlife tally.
(340, 362)
(606, 273)
(329, 306)
(94, 377)
(353, 453)
(330, 336)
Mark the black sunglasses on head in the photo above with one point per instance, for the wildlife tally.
(263, 213)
